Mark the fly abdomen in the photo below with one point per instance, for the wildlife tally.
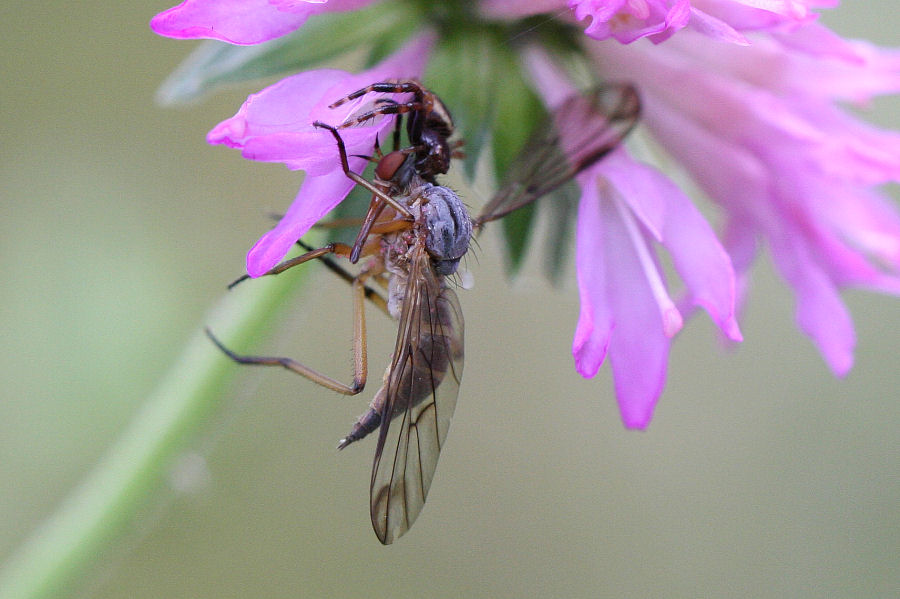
(367, 423)
(438, 351)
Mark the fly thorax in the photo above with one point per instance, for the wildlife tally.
(395, 250)
(396, 293)
(449, 227)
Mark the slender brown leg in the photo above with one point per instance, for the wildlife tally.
(376, 207)
(360, 360)
(360, 180)
(371, 294)
(320, 253)
(456, 150)
(398, 126)
(339, 223)
(332, 248)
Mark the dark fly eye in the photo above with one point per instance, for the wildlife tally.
(389, 165)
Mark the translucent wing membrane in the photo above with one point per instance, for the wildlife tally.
(581, 131)
(421, 386)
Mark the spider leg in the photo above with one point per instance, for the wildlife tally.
(402, 86)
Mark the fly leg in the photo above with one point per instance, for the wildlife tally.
(360, 361)
(359, 179)
(332, 248)
(371, 294)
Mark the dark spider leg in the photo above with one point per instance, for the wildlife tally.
(394, 108)
(403, 86)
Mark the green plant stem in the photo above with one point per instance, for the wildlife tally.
(49, 563)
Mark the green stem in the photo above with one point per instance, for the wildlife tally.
(100, 508)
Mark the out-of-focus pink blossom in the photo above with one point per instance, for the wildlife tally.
(275, 125)
(626, 210)
(754, 121)
(630, 20)
(243, 21)
(757, 128)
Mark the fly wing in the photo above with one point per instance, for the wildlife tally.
(422, 388)
(576, 135)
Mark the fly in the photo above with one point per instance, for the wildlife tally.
(412, 238)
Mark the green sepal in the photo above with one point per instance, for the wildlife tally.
(215, 64)
(517, 112)
(562, 206)
(516, 235)
(463, 72)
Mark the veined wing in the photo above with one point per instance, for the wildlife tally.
(421, 391)
(576, 135)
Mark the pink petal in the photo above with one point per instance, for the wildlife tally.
(241, 21)
(740, 241)
(789, 8)
(743, 185)
(316, 198)
(619, 313)
(638, 347)
(314, 151)
(754, 15)
(515, 9)
(715, 28)
(820, 312)
(282, 107)
(594, 320)
(642, 187)
(702, 263)
(672, 219)
(630, 21)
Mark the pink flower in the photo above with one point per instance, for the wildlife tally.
(626, 209)
(757, 129)
(275, 125)
(630, 20)
(243, 21)
(754, 122)
(256, 21)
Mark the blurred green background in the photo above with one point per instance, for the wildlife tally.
(761, 475)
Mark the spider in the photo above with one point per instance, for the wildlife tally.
(429, 126)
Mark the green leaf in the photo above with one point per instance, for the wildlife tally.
(517, 232)
(518, 111)
(463, 72)
(561, 209)
(215, 64)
